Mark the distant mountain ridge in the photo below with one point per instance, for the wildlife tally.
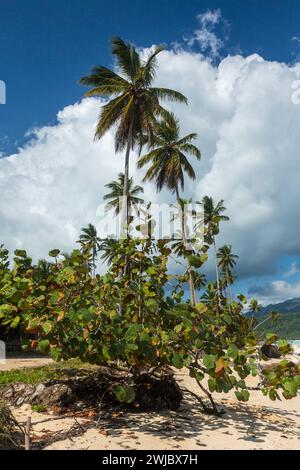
(288, 306)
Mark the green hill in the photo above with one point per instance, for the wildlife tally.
(288, 323)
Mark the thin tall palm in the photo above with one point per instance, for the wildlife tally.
(43, 268)
(90, 242)
(117, 191)
(226, 262)
(182, 213)
(108, 249)
(168, 158)
(168, 163)
(254, 306)
(134, 103)
(212, 216)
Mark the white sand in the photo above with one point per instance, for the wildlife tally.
(258, 424)
(19, 362)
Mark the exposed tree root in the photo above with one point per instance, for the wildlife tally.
(213, 410)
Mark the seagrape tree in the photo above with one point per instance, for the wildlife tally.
(67, 313)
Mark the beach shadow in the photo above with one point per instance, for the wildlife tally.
(251, 424)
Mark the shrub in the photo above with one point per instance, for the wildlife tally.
(125, 320)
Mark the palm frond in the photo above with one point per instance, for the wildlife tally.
(168, 94)
(187, 139)
(148, 70)
(152, 155)
(110, 114)
(127, 57)
(101, 76)
(192, 150)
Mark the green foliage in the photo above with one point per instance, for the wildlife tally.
(124, 318)
(125, 394)
(37, 375)
(285, 376)
(38, 408)
(69, 313)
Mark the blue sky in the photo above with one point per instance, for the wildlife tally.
(45, 47)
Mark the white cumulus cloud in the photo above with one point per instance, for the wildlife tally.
(276, 291)
(248, 133)
(205, 36)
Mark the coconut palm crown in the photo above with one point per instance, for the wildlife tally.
(168, 158)
(117, 191)
(226, 259)
(134, 102)
(90, 242)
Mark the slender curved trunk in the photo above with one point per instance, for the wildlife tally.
(261, 323)
(191, 280)
(125, 208)
(124, 213)
(217, 271)
(229, 285)
(94, 263)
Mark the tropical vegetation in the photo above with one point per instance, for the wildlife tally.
(136, 316)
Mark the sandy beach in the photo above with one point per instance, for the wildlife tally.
(258, 424)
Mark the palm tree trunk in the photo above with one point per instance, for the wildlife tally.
(124, 217)
(217, 271)
(229, 285)
(191, 280)
(261, 323)
(124, 214)
(94, 260)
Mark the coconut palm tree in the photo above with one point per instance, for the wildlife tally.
(254, 306)
(108, 249)
(199, 280)
(90, 242)
(134, 103)
(273, 317)
(117, 191)
(169, 162)
(43, 268)
(181, 248)
(182, 213)
(212, 216)
(226, 262)
(168, 158)
(211, 296)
